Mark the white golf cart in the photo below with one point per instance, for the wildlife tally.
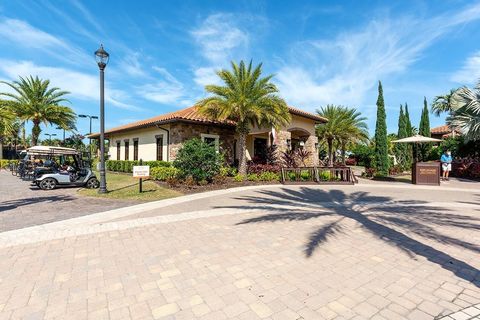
(62, 167)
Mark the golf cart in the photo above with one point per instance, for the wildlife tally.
(61, 167)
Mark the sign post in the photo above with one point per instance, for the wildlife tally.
(140, 184)
(141, 172)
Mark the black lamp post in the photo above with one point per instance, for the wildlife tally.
(90, 132)
(102, 58)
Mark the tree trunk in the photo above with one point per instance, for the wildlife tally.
(35, 132)
(343, 153)
(330, 152)
(242, 165)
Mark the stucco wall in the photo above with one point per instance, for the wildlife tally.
(302, 123)
(296, 122)
(147, 143)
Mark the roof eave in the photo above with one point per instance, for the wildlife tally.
(160, 122)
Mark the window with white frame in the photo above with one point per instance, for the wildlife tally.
(213, 139)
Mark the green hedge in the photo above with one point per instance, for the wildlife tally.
(163, 173)
(127, 166)
(4, 163)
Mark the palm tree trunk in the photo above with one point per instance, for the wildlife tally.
(35, 132)
(343, 153)
(330, 152)
(242, 166)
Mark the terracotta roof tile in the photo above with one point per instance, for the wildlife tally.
(192, 114)
(445, 129)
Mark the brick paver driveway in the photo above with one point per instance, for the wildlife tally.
(352, 252)
(23, 205)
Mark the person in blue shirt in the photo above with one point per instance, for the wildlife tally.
(446, 160)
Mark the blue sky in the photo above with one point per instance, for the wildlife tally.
(164, 52)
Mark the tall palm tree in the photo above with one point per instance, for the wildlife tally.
(7, 120)
(335, 129)
(355, 130)
(444, 103)
(246, 99)
(34, 101)
(466, 117)
(7, 117)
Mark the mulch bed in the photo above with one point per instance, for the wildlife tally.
(229, 183)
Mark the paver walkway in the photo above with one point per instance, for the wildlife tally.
(317, 252)
(23, 205)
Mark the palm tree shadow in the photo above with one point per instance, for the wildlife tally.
(379, 215)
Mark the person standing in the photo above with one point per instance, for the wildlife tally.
(446, 160)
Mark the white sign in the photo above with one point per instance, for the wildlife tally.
(141, 171)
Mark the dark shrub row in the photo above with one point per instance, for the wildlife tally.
(127, 166)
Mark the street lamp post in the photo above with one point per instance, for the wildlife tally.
(90, 132)
(102, 58)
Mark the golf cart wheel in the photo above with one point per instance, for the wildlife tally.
(48, 184)
(92, 183)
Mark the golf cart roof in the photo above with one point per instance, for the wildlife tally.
(52, 150)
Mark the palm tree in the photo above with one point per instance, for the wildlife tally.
(355, 130)
(335, 129)
(248, 100)
(7, 123)
(34, 101)
(444, 103)
(466, 116)
(7, 118)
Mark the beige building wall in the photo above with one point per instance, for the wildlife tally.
(302, 123)
(147, 143)
(180, 132)
(281, 136)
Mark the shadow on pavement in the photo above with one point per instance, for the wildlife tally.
(13, 204)
(376, 214)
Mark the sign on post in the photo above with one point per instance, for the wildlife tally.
(141, 172)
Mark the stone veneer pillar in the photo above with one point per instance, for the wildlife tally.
(281, 138)
(311, 146)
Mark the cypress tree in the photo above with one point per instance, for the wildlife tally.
(381, 144)
(424, 130)
(401, 148)
(409, 148)
(408, 123)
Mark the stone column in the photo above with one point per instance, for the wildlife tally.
(311, 145)
(281, 138)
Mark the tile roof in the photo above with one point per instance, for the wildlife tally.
(192, 114)
(442, 130)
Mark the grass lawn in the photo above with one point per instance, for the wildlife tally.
(123, 186)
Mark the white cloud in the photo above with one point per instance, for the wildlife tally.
(87, 15)
(24, 35)
(219, 37)
(165, 90)
(344, 69)
(206, 75)
(80, 85)
(132, 66)
(470, 72)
